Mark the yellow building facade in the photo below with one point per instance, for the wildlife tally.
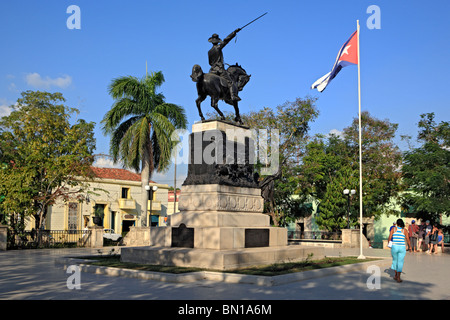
(115, 196)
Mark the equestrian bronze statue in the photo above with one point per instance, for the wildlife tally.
(220, 83)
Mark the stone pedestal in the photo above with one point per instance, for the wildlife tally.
(226, 217)
(96, 237)
(221, 206)
(221, 224)
(219, 259)
(351, 239)
(137, 236)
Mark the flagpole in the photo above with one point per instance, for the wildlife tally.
(361, 255)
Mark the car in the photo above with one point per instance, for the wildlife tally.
(111, 235)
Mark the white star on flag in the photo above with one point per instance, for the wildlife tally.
(346, 50)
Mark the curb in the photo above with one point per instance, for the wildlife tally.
(221, 276)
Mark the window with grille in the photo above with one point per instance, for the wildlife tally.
(72, 217)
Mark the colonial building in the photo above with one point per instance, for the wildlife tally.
(173, 202)
(114, 202)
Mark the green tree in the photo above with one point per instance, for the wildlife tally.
(326, 170)
(381, 161)
(332, 165)
(290, 201)
(426, 170)
(292, 121)
(334, 210)
(324, 158)
(44, 156)
(140, 123)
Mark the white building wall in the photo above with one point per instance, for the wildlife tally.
(107, 192)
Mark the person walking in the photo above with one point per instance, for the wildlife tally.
(399, 238)
(413, 235)
(441, 240)
(406, 228)
(421, 235)
(428, 230)
(434, 239)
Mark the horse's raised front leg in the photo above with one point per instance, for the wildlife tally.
(199, 100)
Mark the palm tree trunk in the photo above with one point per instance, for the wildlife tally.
(147, 170)
(145, 177)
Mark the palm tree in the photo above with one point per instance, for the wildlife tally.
(140, 123)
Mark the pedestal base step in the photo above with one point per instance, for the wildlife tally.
(218, 238)
(219, 259)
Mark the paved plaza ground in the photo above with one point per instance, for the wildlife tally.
(33, 275)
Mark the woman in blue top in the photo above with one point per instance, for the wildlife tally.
(441, 240)
(399, 237)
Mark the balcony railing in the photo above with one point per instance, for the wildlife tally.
(127, 204)
(156, 205)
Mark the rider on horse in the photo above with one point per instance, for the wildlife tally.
(216, 62)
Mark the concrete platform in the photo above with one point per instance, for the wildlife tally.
(219, 259)
(217, 276)
(33, 275)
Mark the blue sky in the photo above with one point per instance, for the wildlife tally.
(404, 65)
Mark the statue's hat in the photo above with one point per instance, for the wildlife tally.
(215, 39)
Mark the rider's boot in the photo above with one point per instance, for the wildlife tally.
(234, 95)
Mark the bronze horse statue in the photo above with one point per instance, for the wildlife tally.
(209, 84)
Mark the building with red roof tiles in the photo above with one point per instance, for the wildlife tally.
(116, 174)
(114, 196)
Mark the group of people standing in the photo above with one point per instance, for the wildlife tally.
(425, 237)
(415, 237)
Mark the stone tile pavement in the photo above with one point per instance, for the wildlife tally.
(34, 275)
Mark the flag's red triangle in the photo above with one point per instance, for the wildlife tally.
(350, 51)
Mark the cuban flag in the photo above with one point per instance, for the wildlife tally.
(348, 55)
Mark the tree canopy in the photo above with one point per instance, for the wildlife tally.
(331, 164)
(43, 156)
(426, 171)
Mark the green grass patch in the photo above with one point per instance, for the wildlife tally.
(268, 270)
(114, 261)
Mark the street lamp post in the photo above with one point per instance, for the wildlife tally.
(150, 191)
(348, 193)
